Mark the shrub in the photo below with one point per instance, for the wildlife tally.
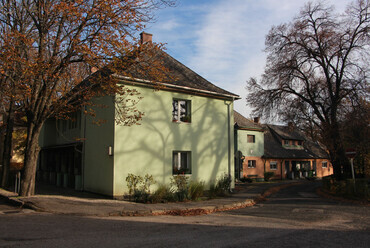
(224, 183)
(141, 196)
(268, 175)
(246, 180)
(221, 188)
(164, 193)
(180, 182)
(132, 183)
(195, 190)
(139, 187)
(146, 183)
(213, 191)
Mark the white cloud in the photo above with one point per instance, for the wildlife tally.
(224, 40)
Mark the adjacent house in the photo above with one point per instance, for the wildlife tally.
(290, 154)
(283, 150)
(187, 129)
(249, 147)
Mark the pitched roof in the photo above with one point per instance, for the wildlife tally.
(181, 77)
(243, 123)
(273, 147)
(285, 132)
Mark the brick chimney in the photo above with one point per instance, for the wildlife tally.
(145, 37)
(256, 120)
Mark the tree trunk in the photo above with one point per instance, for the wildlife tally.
(338, 158)
(7, 146)
(30, 160)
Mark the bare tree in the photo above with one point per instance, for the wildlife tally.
(317, 69)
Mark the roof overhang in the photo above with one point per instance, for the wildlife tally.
(177, 88)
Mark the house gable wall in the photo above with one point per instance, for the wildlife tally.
(255, 149)
(148, 148)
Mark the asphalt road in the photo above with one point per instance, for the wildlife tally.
(294, 217)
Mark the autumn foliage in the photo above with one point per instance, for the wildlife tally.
(47, 48)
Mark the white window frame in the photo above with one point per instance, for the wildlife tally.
(324, 163)
(251, 164)
(273, 162)
(178, 116)
(180, 169)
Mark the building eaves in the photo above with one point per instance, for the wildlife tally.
(244, 124)
(177, 77)
(274, 149)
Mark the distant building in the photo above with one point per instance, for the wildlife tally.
(283, 150)
(249, 147)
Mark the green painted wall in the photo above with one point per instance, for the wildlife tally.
(250, 149)
(98, 165)
(147, 148)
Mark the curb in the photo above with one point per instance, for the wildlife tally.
(12, 201)
(175, 212)
(210, 209)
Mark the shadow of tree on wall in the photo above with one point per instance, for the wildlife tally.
(206, 137)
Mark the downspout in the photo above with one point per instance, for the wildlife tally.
(83, 152)
(228, 140)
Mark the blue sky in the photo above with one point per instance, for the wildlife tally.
(223, 40)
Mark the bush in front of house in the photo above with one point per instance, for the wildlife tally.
(221, 187)
(268, 175)
(139, 187)
(164, 193)
(180, 189)
(180, 183)
(195, 190)
(246, 180)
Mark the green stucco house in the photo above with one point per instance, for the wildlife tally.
(187, 128)
(249, 146)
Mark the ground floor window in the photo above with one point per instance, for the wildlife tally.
(181, 162)
(251, 163)
(324, 164)
(273, 165)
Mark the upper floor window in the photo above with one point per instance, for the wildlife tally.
(300, 142)
(251, 138)
(181, 162)
(286, 142)
(251, 163)
(324, 164)
(181, 110)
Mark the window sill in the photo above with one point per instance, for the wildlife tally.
(179, 122)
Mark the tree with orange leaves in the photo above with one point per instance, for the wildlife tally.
(54, 45)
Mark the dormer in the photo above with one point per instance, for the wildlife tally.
(292, 144)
